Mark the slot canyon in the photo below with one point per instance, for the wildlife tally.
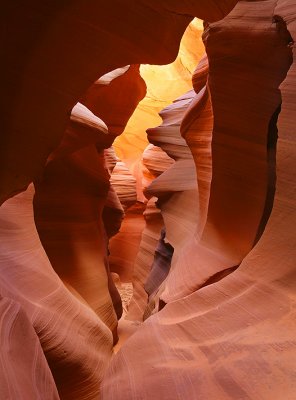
(148, 200)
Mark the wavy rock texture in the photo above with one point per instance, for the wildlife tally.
(113, 212)
(154, 162)
(234, 338)
(59, 318)
(164, 84)
(197, 128)
(59, 49)
(112, 89)
(176, 177)
(124, 185)
(226, 329)
(240, 159)
(176, 189)
(71, 201)
(125, 245)
(161, 265)
(144, 260)
(28, 376)
(68, 208)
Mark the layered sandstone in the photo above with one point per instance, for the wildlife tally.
(28, 376)
(176, 188)
(233, 337)
(68, 208)
(59, 50)
(223, 323)
(164, 84)
(59, 315)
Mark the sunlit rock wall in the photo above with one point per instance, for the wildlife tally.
(164, 84)
(28, 376)
(58, 314)
(232, 336)
(227, 327)
(52, 53)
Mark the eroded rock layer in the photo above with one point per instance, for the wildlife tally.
(68, 208)
(233, 337)
(59, 315)
(28, 376)
(54, 51)
(221, 292)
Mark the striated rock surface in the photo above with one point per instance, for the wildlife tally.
(68, 208)
(144, 260)
(234, 337)
(113, 212)
(176, 189)
(161, 265)
(123, 88)
(28, 376)
(197, 128)
(124, 185)
(59, 318)
(240, 187)
(164, 84)
(125, 245)
(53, 52)
(223, 323)
(154, 162)
(76, 210)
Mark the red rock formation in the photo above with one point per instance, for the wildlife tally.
(233, 338)
(197, 128)
(176, 188)
(113, 88)
(124, 185)
(53, 52)
(71, 199)
(59, 318)
(154, 162)
(125, 245)
(164, 84)
(144, 260)
(113, 212)
(239, 147)
(228, 328)
(161, 265)
(68, 208)
(28, 376)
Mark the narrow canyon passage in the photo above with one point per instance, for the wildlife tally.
(148, 200)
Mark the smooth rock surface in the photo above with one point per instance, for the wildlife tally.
(59, 318)
(234, 337)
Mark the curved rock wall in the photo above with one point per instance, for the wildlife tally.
(26, 377)
(68, 208)
(226, 325)
(164, 84)
(233, 337)
(239, 183)
(59, 318)
(59, 49)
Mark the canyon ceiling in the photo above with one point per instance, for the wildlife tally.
(156, 265)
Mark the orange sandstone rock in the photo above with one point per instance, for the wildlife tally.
(76, 343)
(53, 52)
(234, 337)
(68, 208)
(24, 372)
